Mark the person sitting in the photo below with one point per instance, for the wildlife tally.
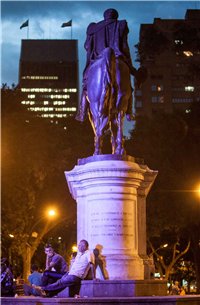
(56, 266)
(7, 285)
(83, 262)
(34, 279)
(8, 266)
(175, 289)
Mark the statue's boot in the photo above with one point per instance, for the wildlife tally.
(82, 109)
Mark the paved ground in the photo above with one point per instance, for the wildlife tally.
(166, 300)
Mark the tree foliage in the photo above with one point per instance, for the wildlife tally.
(170, 143)
(152, 42)
(35, 154)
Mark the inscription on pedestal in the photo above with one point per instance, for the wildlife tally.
(115, 220)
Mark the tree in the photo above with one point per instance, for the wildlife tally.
(35, 154)
(155, 43)
(170, 143)
(174, 257)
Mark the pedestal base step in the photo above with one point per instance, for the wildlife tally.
(123, 288)
(116, 288)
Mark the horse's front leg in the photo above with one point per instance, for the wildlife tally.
(120, 137)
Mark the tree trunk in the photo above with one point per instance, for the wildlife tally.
(26, 263)
(30, 249)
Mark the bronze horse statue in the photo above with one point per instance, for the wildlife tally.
(108, 92)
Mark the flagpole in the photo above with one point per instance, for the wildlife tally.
(71, 32)
(28, 30)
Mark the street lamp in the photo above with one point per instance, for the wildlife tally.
(161, 247)
(50, 213)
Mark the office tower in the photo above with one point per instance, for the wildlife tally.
(170, 49)
(48, 77)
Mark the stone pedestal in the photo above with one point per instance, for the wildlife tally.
(111, 193)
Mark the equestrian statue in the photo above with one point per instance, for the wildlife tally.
(107, 92)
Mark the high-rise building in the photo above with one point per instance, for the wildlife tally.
(170, 49)
(48, 77)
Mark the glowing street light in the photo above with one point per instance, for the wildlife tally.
(12, 236)
(161, 247)
(52, 213)
(74, 248)
(199, 191)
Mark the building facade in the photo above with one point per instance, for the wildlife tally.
(170, 49)
(48, 77)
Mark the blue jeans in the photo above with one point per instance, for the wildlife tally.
(66, 281)
(50, 277)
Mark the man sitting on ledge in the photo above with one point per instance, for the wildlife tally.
(83, 262)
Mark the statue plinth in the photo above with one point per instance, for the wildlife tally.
(111, 192)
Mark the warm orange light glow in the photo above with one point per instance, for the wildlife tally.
(188, 53)
(11, 235)
(52, 213)
(74, 248)
(164, 246)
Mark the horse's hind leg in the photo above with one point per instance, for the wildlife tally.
(114, 128)
(120, 138)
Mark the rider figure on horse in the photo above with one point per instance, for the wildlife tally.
(109, 32)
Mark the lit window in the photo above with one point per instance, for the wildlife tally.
(66, 109)
(59, 102)
(157, 99)
(189, 88)
(31, 96)
(188, 110)
(47, 90)
(39, 77)
(56, 96)
(177, 41)
(46, 102)
(160, 88)
(156, 87)
(28, 102)
(161, 99)
(70, 90)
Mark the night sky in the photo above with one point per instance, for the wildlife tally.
(46, 18)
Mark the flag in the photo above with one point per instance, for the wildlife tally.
(69, 23)
(24, 25)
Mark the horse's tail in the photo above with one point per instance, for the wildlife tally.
(109, 92)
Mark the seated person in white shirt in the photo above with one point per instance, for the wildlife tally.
(83, 262)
